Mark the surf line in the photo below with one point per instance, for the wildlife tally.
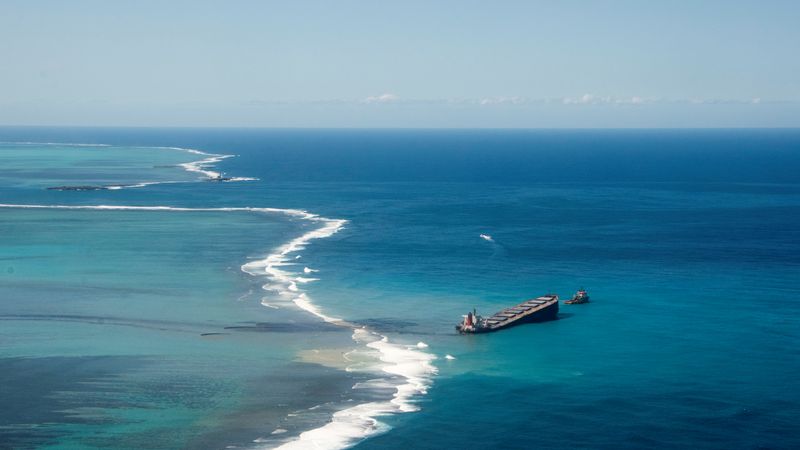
(201, 167)
(407, 369)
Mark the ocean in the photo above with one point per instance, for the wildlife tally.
(299, 288)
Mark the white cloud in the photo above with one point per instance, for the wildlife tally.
(383, 98)
(591, 99)
(521, 101)
(723, 101)
(585, 99)
(503, 101)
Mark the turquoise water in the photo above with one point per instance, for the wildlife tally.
(138, 329)
(52, 165)
(686, 240)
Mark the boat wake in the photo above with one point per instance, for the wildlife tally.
(405, 369)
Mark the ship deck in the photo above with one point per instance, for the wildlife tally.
(527, 311)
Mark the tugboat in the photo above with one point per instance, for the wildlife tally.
(580, 297)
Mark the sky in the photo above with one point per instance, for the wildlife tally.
(448, 64)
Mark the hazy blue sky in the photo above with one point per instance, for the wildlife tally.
(404, 63)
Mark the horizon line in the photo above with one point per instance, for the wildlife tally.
(246, 127)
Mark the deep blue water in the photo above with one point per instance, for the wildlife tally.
(686, 239)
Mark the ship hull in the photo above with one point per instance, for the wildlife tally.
(541, 309)
(576, 301)
(546, 314)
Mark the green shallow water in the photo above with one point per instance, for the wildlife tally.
(138, 329)
(51, 165)
(686, 240)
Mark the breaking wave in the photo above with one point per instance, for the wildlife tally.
(203, 167)
(408, 371)
(405, 369)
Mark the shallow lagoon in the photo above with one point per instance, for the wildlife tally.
(686, 240)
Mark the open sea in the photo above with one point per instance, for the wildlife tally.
(298, 289)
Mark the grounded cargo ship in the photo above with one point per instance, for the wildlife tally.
(539, 309)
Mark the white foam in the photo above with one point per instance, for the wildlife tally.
(340, 431)
(305, 280)
(487, 238)
(378, 383)
(289, 212)
(302, 301)
(203, 166)
(449, 357)
(409, 370)
(349, 426)
(116, 187)
(281, 280)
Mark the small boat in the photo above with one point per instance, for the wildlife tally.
(580, 297)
